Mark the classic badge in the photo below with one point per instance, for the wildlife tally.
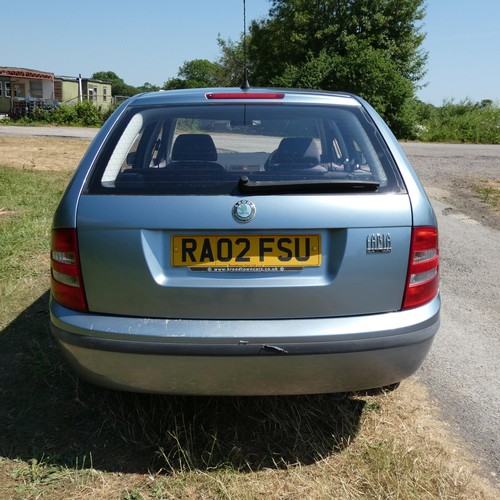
(244, 211)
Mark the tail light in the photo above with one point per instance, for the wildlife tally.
(422, 282)
(245, 95)
(66, 276)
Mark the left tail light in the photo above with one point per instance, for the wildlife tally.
(66, 276)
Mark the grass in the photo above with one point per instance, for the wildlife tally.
(27, 203)
(489, 193)
(63, 438)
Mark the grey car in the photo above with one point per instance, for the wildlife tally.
(291, 251)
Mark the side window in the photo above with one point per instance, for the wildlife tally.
(7, 89)
(156, 148)
(144, 152)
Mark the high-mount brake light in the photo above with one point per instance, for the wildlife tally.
(245, 95)
(422, 282)
(66, 277)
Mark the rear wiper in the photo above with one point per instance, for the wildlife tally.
(247, 186)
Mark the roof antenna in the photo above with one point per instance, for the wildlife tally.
(245, 85)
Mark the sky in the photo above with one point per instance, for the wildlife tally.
(148, 40)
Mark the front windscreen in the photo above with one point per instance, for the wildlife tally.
(214, 148)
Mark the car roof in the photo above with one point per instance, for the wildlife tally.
(235, 95)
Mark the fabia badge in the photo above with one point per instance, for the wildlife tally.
(244, 211)
(378, 243)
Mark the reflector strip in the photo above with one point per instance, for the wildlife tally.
(65, 279)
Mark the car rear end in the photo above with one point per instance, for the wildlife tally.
(245, 243)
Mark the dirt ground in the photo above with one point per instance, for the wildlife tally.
(42, 153)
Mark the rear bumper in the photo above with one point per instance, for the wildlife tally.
(246, 357)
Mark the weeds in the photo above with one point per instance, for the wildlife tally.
(463, 122)
(489, 193)
(82, 114)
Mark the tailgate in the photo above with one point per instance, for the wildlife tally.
(302, 256)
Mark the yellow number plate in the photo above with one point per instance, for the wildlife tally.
(246, 251)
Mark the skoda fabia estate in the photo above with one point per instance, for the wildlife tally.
(257, 242)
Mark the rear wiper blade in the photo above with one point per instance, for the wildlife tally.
(247, 186)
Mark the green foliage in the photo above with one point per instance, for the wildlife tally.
(462, 122)
(105, 114)
(118, 86)
(148, 87)
(180, 83)
(38, 115)
(194, 74)
(298, 28)
(365, 72)
(83, 114)
(65, 115)
(88, 115)
(368, 47)
(231, 62)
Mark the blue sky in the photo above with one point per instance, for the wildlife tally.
(147, 40)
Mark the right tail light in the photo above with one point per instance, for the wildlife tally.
(422, 282)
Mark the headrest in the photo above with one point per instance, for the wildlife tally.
(297, 150)
(194, 147)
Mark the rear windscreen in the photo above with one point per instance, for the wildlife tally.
(193, 149)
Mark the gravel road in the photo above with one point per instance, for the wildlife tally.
(76, 132)
(463, 368)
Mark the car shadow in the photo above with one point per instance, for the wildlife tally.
(48, 414)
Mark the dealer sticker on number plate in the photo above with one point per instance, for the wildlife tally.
(246, 253)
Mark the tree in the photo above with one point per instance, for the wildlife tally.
(368, 47)
(194, 74)
(118, 86)
(231, 62)
(148, 87)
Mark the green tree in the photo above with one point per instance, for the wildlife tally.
(194, 74)
(231, 62)
(148, 87)
(118, 86)
(368, 47)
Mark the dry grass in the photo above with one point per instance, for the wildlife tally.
(61, 438)
(37, 153)
(400, 452)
